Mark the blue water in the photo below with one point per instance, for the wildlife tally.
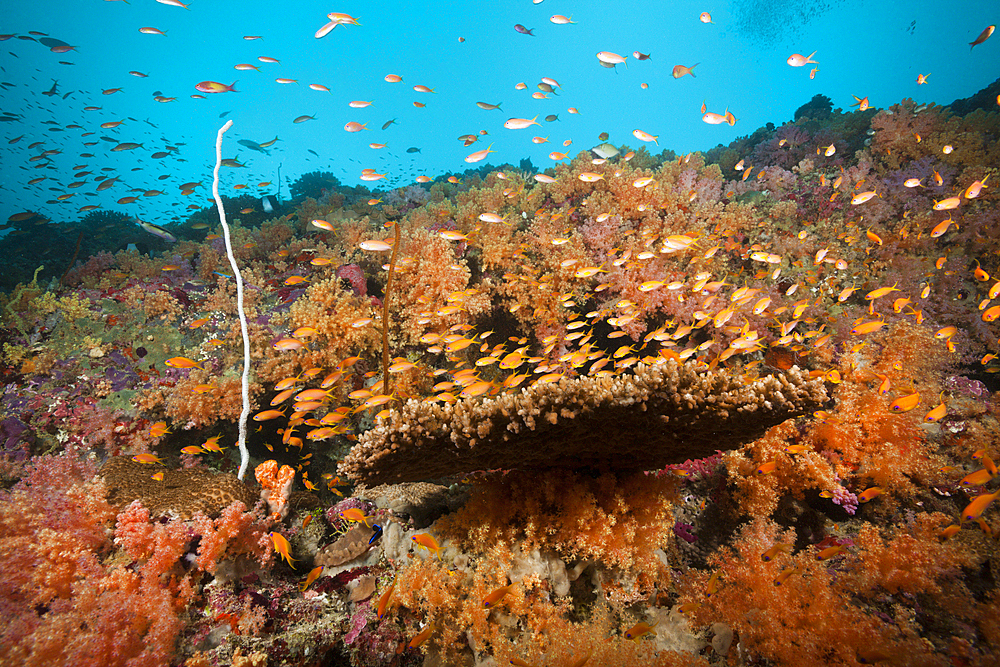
(873, 49)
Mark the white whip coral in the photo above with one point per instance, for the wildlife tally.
(244, 454)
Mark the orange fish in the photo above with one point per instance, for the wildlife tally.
(862, 197)
(282, 546)
(427, 541)
(766, 468)
(713, 584)
(215, 87)
(182, 362)
(520, 123)
(775, 550)
(158, 430)
(869, 494)
(868, 327)
(354, 515)
(147, 459)
(942, 227)
(978, 478)
(798, 60)
(479, 156)
(383, 600)
(311, 577)
(988, 463)
(422, 636)
(829, 552)
(881, 291)
(983, 36)
(947, 204)
(936, 414)
(976, 508)
(268, 414)
(681, 70)
(640, 630)
(495, 596)
(212, 445)
(973, 190)
(949, 532)
(905, 403)
(783, 577)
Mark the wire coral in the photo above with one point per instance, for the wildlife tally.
(664, 413)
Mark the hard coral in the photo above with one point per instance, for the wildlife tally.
(666, 413)
(180, 492)
(352, 544)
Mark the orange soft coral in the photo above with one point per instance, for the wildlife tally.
(620, 522)
(277, 483)
(806, 620)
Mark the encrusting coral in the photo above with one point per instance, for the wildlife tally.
(180, 492)
(663, 413)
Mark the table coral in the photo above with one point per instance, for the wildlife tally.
(664, 413)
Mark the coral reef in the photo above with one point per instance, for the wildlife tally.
(655, 409)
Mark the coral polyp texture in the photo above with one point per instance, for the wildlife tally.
(178, 492)
(660, 414)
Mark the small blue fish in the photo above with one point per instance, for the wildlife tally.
(524, 31)
(376, 534)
